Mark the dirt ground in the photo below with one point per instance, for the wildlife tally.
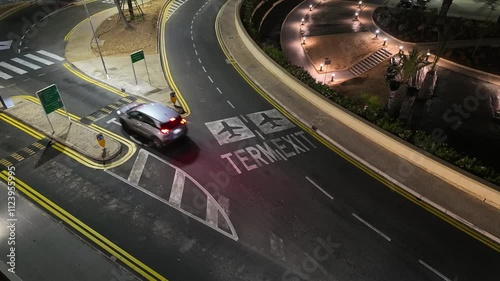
(116, 40)
(343, 49)
(369, 87)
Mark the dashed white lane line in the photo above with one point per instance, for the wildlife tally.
(192, 38)
(259, 134)
(204, 70)
(277, 246)
(41, 74)
(244, 119)
(138, 168)
(371, 227)
(196, 52)
(192, 22)
(319, 187)
(177, 188)
(199, 60)
(191, 32)
(210, 78)
(194, 45)
(433, 270)
(26, 63)
(230, 104)
(218, 90)
(191, 26)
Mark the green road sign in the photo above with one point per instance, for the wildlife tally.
(137, 56)
(50, 99)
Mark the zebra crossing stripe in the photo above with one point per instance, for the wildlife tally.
(12, 68)
(26, 63)
(177, 188)
(5, 76)
(39, 59)
(50, 55)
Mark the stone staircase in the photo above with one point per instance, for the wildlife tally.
(370, 62)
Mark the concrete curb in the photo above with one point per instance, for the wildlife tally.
(449, 175)
(16, 9)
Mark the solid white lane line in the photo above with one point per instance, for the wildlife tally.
(138, 168)
(5, 76)
(371, 227)
(433, 270)
(177, 188)
(204, 70)
(277, 246)
(259, 134)
(319, 187)
(26, 63)
(212, 213)
(230, 104)
(38, 59)
(199, 60)
(210, 78)
(12, 68)
(220, 92)
(50, 55)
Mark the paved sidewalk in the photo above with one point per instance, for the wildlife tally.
(120, 72)
(71, 134)
(54, 253)
(415, 180)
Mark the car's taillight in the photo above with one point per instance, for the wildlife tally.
(183, 121)
(165, 131)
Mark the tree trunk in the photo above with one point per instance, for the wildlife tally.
(130, 9)
(122, 16)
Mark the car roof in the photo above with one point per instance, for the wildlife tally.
(157, 111)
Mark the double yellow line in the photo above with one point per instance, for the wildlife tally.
(164, 61)
(476, 235)
(101, 241)
(131, 147)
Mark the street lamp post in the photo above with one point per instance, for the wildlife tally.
(95, 38)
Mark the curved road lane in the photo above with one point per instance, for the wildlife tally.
(283, 209)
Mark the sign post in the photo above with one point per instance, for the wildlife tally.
(51, 100)
(327, 62)
(138, 56)
(102, 143)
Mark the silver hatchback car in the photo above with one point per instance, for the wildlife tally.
(154, 121)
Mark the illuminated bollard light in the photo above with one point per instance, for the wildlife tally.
(302, 21)
(333, 77)
(310, 7)
(303, 40)
(400, 50)
(360, 3)
(385, 42)
(376, 33)
(321, 67)
(356, 15)
(427, 56)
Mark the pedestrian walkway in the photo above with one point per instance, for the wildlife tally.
(370, 62)
(22, 64)
(54, 253)
(175, 5)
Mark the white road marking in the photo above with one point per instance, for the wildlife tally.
(199, 60)
(41, 74)
(191, 32)
(259, 134)
(229, 130)
(277, 246)
(12, 68)
(192, 38)
(230, 104)
(11, 85)
(194, 45)
(212, 213)
(138, 168)
(270, 121)
(372, 228)
(50, 55)
(177, 188)
(204, 70)
(220, 92)
(433, 270)
(191, 26)
(210, 78)
(26, 79)
(319, 187)
(244, 119)
(26, 63)
(38, 59)
(192, 22)
(113, 120)
(5, 76)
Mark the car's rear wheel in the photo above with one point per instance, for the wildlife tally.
(157, 142)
